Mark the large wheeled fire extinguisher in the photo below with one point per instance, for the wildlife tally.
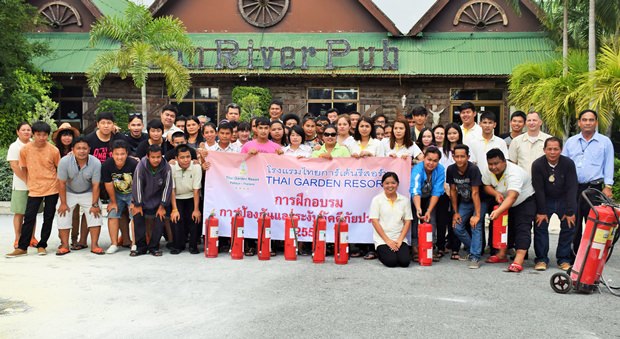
(211, 236)
(341, 242)
(264, 237)
(318, 239)
(291, 223)
(236, 236)
(425, 244)
(500, 230)
(599, 236)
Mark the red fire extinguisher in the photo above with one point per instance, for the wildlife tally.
(264, 237)
(236, 236)
(341, 242)
(318, 239)
(500, 230)
(211, 236)
(594, 249)
(425, 244)
(290, 236)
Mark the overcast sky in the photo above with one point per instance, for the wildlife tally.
(404, 13)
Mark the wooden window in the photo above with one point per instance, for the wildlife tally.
(320, 100)
(200, 101)
(70, 106)
(489, 100)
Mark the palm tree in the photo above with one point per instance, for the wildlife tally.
(543, 88)
(601, 88)
(146, 46)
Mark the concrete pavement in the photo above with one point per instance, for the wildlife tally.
(116, 296)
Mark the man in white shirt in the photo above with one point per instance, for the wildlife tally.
(527, 147)
(511, 187)
(482, 143)
(470, 128)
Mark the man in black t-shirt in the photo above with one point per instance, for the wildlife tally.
(99, 140)
(135, 136)
(465, 181)
(117, 176)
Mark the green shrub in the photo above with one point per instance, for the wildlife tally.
(120, 108)
(6, 176)
(247, 94)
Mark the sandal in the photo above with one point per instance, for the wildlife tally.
(62, 251)
(78, 247)
(156, 253)
(494, 259)
(34, 242)
(250, 252)
(455, 256)
(514, 267)
(273, 253)
(370, 256)
(97, 251)
(357, 255)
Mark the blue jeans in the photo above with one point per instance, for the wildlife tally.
(473, 242)
(541, 235)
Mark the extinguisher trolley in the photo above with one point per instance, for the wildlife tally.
(599, 237)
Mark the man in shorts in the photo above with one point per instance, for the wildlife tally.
(79, 177)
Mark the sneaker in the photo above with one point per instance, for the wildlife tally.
(466, 257)
(564, 266)
(41, 251)
(18, 252)
(473, 264)
(112, 249)
(540, 266)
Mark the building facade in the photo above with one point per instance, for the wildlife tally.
(313, 55)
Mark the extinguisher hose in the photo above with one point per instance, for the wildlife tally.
(262, 232)
(337, 240)
(315, 235)
(234, 233)
(294, 230)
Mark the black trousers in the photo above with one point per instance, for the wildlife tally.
(390, 258)
(444, 221)
(582, 213)
(140, 230)
(523, 217)
(30, 218)
(185, 225)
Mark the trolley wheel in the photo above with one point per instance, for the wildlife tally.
(561, 283)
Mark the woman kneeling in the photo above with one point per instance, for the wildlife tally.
(390, 214)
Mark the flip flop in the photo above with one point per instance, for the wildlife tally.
(514, 267)
(63, 251)
(98, 251)
(78, 247)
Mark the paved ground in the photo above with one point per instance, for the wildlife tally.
(116, 296)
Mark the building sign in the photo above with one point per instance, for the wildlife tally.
(335, 54)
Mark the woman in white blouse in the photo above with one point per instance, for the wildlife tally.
(400, 144)
(343, 125)
(366, 144)
(296, 147)
(390, 214)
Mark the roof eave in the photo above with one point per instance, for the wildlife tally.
(378, 14)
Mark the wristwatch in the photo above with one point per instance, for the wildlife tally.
(95, 205)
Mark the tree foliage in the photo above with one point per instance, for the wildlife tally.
(22, 86)
(254, 101)
(120, 108)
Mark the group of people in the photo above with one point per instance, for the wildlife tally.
(153, 180)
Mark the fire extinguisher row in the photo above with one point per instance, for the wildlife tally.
(341, 236)
(341, 239)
